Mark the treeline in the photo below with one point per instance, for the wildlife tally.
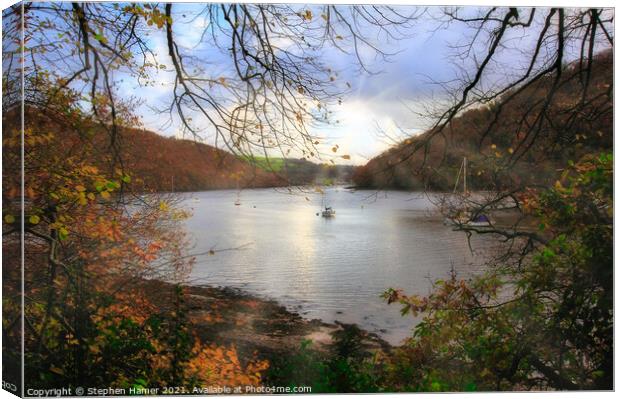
(302, 172)
(164, 164)
(493, 137)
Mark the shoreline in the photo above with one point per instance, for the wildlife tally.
(254, 325)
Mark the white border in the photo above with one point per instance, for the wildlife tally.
(545, 3)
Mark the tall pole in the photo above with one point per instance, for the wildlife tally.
(465, 175)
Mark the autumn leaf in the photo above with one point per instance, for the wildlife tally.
(9, 219)
(346, 156)
(34, 219)
(63, 233)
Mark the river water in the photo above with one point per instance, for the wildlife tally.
(332, 269)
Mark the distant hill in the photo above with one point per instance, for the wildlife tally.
(563, 138)
(193, 166)
(196, 166)
(160, 163)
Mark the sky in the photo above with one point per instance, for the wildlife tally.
(379, 106)
(378, 103)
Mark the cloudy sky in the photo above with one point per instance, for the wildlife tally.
(381, 102)
(387, 102)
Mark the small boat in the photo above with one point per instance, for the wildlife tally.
(467, 218)
(238, 200)
(479, 221)
(328, 212)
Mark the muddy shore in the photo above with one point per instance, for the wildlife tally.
(254, 325)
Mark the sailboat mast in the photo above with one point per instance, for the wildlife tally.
(465, 175)
(458, 178)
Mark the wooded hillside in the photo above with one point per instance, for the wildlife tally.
(156, 160)
(500, 154)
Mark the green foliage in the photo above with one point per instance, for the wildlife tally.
(545, 323)
(344, 367)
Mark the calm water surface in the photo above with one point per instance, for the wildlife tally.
(331, 269)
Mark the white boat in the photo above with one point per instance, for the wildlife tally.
(238, 201)
(328, 212)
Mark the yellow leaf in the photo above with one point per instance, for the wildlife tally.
(105, 195)
(80, 188)
(163, 206)
(9, 219)
(34, 219)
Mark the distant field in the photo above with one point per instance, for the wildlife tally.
(272, 165)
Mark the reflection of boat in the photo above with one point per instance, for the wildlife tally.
(238, 202)
(196, 199)
(328, 212)
(467, 218)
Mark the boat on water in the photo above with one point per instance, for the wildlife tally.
(467, 218)
(328, 212)
(238, 200)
